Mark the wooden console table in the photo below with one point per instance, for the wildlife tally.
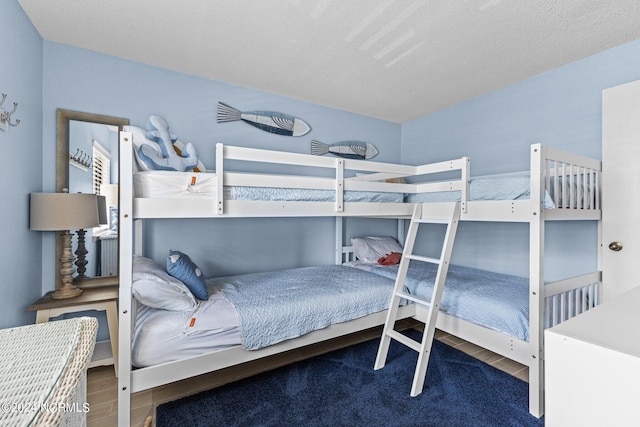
(101, 299)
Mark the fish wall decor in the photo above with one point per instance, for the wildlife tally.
(348, 149)
(268, 121)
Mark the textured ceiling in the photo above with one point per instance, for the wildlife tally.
(390, 59)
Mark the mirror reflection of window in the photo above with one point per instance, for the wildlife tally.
(107, 233)
(101, 166)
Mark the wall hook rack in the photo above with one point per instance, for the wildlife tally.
(5, 116)
(80, 160)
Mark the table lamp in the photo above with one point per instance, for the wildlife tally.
(63, 212)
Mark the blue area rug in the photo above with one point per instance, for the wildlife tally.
(342, 389)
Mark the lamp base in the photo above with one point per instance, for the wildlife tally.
(68, 289)
(66, 292)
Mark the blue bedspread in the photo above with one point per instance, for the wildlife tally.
(311, 195)
(276, 306)
(497, 301)
(515, 186)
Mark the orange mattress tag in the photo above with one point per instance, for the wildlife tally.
(193, 180)
(192, 322)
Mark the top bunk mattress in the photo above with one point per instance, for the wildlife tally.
(189, 185)
(171, 184)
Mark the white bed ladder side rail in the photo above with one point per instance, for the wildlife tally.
(125, 322)
(219, 197)
(435, 213)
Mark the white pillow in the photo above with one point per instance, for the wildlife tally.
(154, 287)
(370, 249)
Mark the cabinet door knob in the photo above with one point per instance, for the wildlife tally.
(615, 246)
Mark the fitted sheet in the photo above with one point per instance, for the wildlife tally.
(257, 310)
(493, 300)
(171, 184)
(161, 336)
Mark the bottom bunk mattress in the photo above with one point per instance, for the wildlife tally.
(493, 300)
(258, 310)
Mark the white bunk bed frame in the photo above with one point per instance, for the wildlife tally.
(563, 299)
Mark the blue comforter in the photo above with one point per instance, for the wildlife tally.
(497, 301)
(276, 306)
(312, 195)
(512, 186)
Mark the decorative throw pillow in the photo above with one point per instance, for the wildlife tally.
(392, 259)
(140, 139)
(154, 287)
(168, 159)
(152, 150)
(370, 249)
(180, 266)
(179, 147)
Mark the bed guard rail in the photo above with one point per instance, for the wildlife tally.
(362, 175)
(569, 180)
(565, 299)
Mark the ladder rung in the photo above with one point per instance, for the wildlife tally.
(415, 345)
(412, 298)
(424, 258)
(433, 221)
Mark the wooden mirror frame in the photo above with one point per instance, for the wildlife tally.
(62, 178)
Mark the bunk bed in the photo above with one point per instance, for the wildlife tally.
(559, 186)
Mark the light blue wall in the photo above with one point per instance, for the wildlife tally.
(561, 108)
(20, 165)
(81, 80)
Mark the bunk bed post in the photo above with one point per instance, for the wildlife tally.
(401, 237)
(339, 185)
(219, 196)
(125, 272)
(466, 181)
(339, 243)
(138, 238)
(536, 282)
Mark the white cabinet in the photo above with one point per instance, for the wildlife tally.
(592, 366)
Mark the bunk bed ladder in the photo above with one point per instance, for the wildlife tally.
(434, 213)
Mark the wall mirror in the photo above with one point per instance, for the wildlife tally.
(87, 162)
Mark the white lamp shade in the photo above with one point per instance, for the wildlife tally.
(63, 211)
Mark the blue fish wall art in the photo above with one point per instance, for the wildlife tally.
(348, 149)
(268, 121)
